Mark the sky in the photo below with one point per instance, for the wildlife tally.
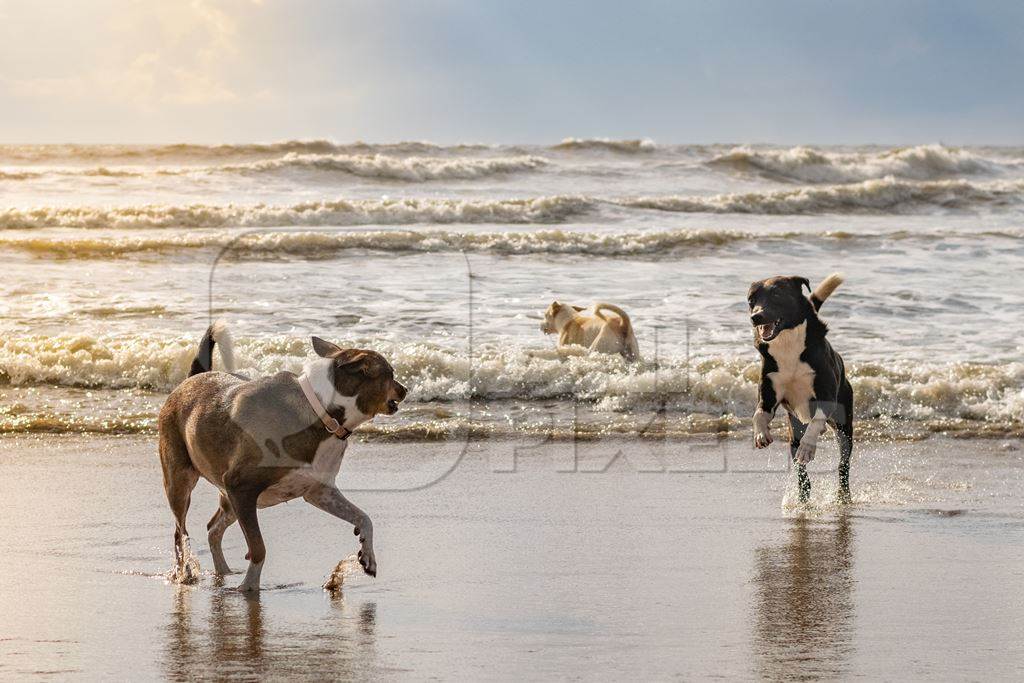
(785, 71)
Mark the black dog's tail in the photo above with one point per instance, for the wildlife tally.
(217, 333)
(825, 289)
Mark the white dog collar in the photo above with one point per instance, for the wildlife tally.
(332, 425)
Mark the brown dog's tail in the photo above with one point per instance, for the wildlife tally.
(825, 289)
(217, 333)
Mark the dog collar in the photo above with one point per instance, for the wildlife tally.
(332, 425)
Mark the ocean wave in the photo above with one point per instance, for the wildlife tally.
(410, 169)
(605, 145)
(938, 396)
(870, 196)
(552, 209)
(184, 151)
(313, 244)
(809, 165)
(326, 244)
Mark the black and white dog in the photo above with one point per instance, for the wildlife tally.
(801, 372)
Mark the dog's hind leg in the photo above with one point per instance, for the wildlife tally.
(796, 433)
(844, 435)
(243, 502)
(609, 339)
(180, 478)
(221, 520)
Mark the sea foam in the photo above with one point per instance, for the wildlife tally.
(936, 396)
(810, 165)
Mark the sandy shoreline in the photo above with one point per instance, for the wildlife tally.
(509, 561)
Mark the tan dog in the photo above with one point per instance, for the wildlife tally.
(268, 440)
(592, 329)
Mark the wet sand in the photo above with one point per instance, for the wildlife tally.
(551, 562)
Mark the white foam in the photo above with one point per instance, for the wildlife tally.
(605, 145)
(315, 213)
(936, 396)
(809, 165)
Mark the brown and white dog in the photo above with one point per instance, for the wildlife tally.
(577, 326)
(801, 372)
(268, 440)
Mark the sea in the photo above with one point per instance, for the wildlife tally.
(443, 258)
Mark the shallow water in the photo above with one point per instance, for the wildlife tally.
(605, 560)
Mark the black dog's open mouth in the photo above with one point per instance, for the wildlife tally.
(768, 331)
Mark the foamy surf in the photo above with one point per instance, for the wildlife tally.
(194, 152)
(869, 197)
(341, 212)
(886, 195)
(657, 244)
(938, 396)
(379, 166)
(810, 165)
(605, 145)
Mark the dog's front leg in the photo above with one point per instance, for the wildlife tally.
(766, 405)
(809, 442)
(329, 499)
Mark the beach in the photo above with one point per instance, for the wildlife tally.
(538, 513)
(527, 561)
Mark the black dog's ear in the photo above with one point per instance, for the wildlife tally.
(325, 349)
(802, 281)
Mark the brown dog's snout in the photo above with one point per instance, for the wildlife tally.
(757, 317)
(399, 395)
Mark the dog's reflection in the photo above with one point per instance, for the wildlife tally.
(804, 602)
(224, 633)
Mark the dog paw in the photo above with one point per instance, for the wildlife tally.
(762, 439)
(805, 453)
(368, 562)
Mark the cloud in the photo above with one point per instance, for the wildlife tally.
(148, 55)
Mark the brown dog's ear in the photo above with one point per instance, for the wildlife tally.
(325, 349)
(580, 308)
(354, 359)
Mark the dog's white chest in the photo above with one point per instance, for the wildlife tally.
(793, 382)
(295, 484)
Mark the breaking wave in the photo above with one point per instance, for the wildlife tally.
(809, 165)
(605, 145)
(316, 213)
(325, 244)
(936, 397)
(51, 152)
(886, 195)
(871, 196)
(410, 169)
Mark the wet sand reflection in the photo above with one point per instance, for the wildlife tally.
(213, 631)
(803, 605)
